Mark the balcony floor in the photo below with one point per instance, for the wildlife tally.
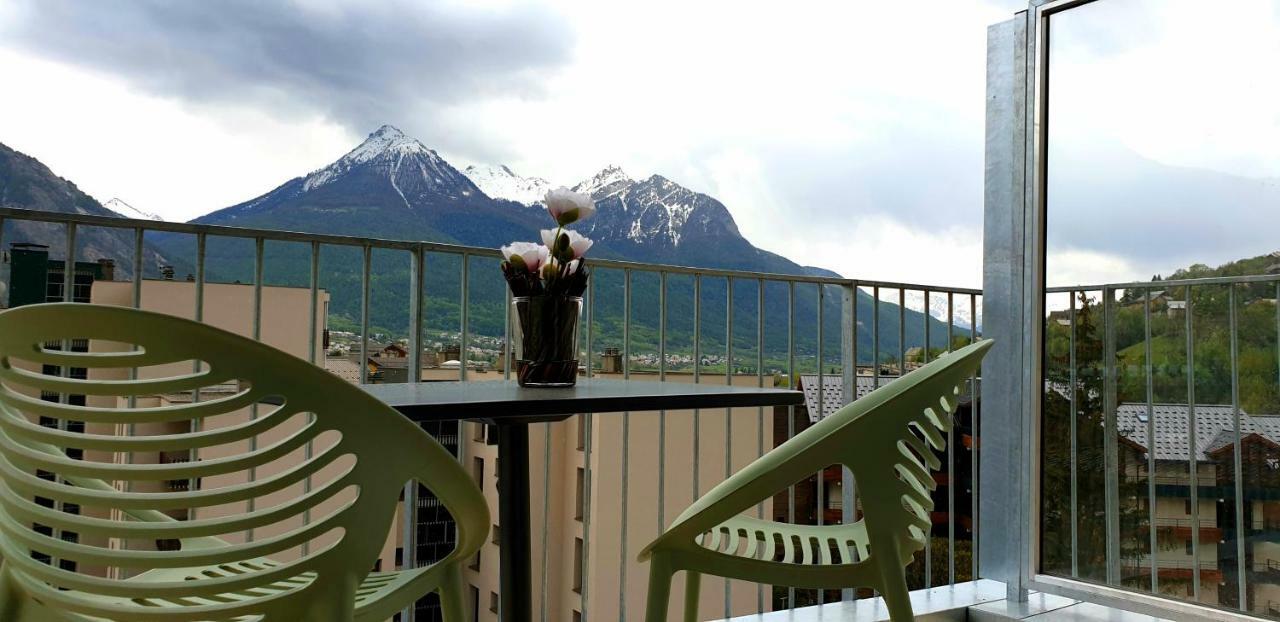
(979, 601)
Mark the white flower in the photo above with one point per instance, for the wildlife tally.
(526, 254)
(573, 267)
(579, 243)
(567, 206)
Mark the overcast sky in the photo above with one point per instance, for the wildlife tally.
(841, 134)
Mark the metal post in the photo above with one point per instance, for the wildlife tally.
(1110, 441)
(464, 340)
(728, 412)
(364, 315)
(1192, 457)
(1237, 460)
(626, 447)
(1075, 442)
(849, 382)
(1151, 439)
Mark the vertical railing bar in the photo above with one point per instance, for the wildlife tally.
(849, 500)
(202, 244)
(68, 295)
(364, 314)
(974, 412)
(791, 410)
(760, 409)
(728, 412)
(902, 360)
(1234, 329)
(1109, 441)
(1151, 439)
(546, 516)
(258, 251)
(591, 320)
(313, 346)
(951, 549)
(464, 319)
(820, 499)
(509, 351)
(417, 277)
(1074, 441)
(951, 450)
(875, 338)
(697, 378)
(587, 471)
(138, 235)
(662, 414)
(626, 447)
(1193, 459)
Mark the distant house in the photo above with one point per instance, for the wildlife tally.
(395, 350)
(1175, 307)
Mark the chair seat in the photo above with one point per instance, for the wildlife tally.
(769, 541)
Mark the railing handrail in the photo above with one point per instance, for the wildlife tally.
(1207, 280)
(440, 247)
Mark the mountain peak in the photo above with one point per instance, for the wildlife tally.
(609, 180)
(500, 182)
(129, 211)
(387, 138)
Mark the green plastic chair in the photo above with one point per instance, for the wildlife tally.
(356, 472)
(887, 439)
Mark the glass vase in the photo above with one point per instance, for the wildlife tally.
(547, 340)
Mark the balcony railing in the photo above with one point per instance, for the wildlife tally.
(853, 328)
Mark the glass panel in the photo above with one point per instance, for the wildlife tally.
(1161, 407)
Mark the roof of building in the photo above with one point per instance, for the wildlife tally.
(1215, 428)
(833, 391)
(344, 368)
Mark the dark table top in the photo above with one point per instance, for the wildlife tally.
(504, 401)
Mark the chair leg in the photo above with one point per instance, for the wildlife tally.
(10, 597)
(884, 552)
(655, 609)
(451, 596)
(692, 589)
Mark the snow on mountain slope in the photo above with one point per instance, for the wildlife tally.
(129, 211)
(500, 182)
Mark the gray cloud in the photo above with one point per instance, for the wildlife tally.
(360, 64)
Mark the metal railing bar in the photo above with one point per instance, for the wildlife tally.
(1074, 441)
(407, 245)
(849, 495)
(464, 338)
(662, 414)
(1151, 437)
(587, 471)
(697, 378)
(313, 346)
(1211, 280)
(626, 449)
(258, 252)
(1191, 444)
(546, 517)
(760, 410)
(68, 295)
(791, 410)
(728, 412)
(1110, 438)
(974, 415)
(821, 496)
(364, 314)
(1234, 331)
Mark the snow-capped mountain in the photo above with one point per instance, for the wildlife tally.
(500, 182)
(390, 185)
(129, 211)
(608, 182)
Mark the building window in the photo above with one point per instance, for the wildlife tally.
(579, 499)
(577, 616)
(477, 471)
(493, 602)
(582, 432)
(475, 562)
(475, 604)
(1189, 543)
(491, 434)
(497, 534)
(1188, 504)
(478, 432)
(577, 565)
